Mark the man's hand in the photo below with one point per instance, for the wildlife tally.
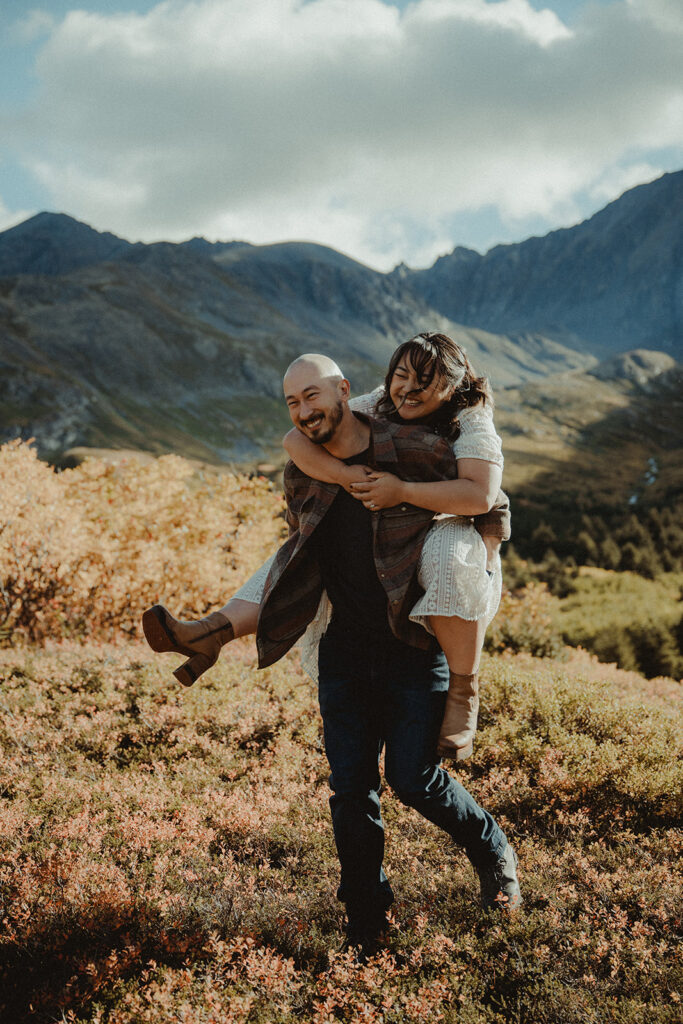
(379, 490)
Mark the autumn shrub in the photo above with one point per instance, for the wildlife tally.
(83, 552)
(167, 854)
(524, 622)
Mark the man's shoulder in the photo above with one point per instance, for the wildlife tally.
(295, 478)
(296, 482)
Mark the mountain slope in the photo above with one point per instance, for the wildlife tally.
(598, 451)
(612, 283)
(182, 347)
(54, 243)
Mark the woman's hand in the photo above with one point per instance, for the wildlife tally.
(349, 476)
(379, 490)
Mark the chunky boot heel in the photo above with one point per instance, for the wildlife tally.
(456, 737)
(190, 672)
(200, 641)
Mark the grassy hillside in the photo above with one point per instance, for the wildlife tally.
(591, 434)
(167, 854)
(594, 469)
(626, 619)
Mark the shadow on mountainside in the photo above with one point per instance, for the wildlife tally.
(625, 462)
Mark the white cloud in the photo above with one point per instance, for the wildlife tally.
(8, 218)
(542, 27)
(667, 14)
(348, 121)
(32, 26)
(616, 180)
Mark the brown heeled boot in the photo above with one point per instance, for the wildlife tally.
(200, 640)
(459, 724)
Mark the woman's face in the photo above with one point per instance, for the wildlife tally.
(413, 402)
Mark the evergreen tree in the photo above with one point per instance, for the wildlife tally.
(629, 557)
(542, 538)
(655, 649)
(610, 553)
(587, 549)
(647, 563)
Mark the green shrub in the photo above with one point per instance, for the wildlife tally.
(626, 619)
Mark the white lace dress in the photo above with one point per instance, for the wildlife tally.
(452, 570)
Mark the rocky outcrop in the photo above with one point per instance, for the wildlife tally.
(612, 283)
(640, 367)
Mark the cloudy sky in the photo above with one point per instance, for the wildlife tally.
(390, 129)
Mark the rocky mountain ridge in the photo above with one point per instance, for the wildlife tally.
(181, 347)
(609, 284)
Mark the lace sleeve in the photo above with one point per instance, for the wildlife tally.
(366, 403)
(478, 438)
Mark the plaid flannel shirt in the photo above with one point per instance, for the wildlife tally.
(294, 585)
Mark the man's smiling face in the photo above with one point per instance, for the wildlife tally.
(315, 401)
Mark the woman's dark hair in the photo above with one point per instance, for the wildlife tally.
(437, 357)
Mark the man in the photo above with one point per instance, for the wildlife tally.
(382, 680)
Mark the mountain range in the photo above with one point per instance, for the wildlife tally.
(181, 347)
(610, 284)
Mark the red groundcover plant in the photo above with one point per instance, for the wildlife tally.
(166, 854)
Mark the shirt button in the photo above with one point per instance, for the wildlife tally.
(381, 575)
(404, 508)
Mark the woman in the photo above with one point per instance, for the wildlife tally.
(429, 382)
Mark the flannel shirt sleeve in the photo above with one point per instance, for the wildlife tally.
(495, 522)
(291, 505)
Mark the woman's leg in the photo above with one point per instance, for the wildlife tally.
(200, 640)
(243, 616)
(461, 640)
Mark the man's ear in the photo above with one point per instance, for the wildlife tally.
(344, 389)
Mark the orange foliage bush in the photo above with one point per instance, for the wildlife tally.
(524, 623)
(167, 855)
(85, 551)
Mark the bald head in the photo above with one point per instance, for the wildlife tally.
(314, 366)
(317, 394)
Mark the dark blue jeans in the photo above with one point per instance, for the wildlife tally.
(389, 694)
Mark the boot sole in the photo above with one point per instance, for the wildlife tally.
(459, 754)
(159, 636)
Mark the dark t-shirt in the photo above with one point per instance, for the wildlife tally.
(345, 554)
